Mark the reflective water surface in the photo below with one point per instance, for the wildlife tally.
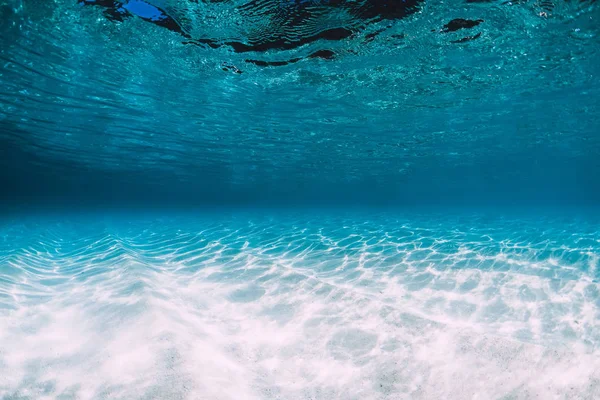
(133, 134)
(130, 97)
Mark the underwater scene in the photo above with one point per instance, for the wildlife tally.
(299, 199)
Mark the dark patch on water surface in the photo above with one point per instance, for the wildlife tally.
(283, 44)
(230, 67)
(289, 23)
(467, 38)
(460, 23)
(323, 54)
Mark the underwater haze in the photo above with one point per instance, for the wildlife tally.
(299, 199)
(402, 109)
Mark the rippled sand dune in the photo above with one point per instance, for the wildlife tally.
(250, 306)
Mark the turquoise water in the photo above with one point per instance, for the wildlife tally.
(254, 305)
(400, 115)
(260, 199)
(300, 306)
(296, 306)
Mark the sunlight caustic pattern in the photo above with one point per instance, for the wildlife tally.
(248, 306)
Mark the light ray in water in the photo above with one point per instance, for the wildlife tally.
(300, 307)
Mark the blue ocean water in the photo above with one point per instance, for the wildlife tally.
(286, 199)
(254, 305)
(121, 105)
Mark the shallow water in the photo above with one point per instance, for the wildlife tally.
(264, 199)
(254, 305)
(401, 114)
